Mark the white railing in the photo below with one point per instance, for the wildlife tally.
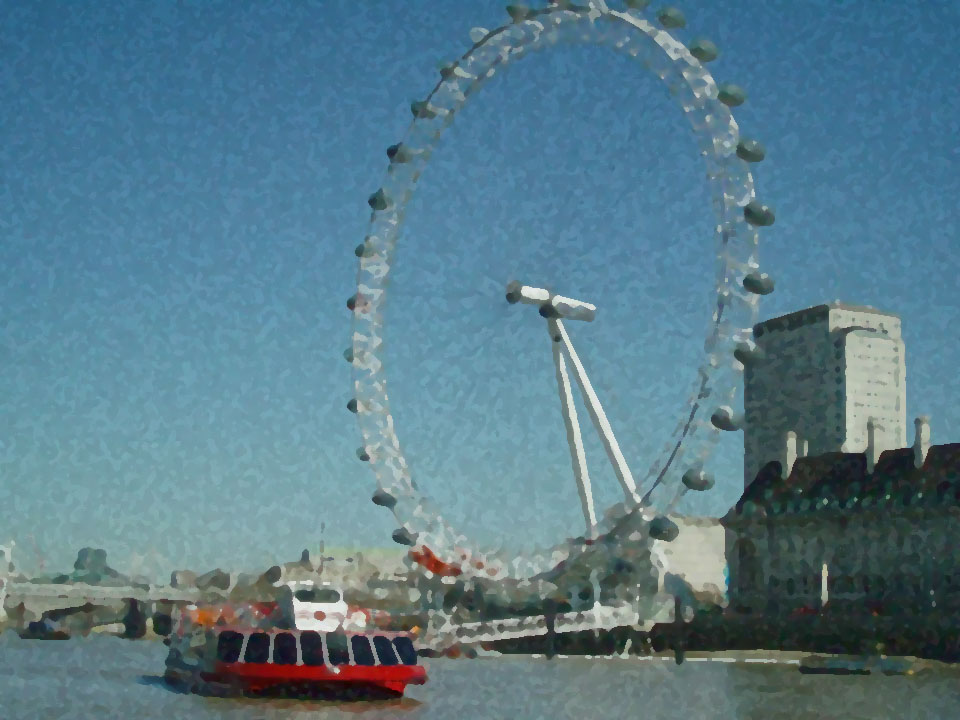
(600, 617)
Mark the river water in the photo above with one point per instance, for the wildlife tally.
(103, 677)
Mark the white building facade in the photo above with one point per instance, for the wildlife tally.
(825, 373)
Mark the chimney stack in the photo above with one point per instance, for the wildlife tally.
(921, 443)
(790, 454)
(873, 449)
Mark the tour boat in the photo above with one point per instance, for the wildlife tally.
(296, 662)
(300, 650)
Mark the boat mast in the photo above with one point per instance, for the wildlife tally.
(323, 526)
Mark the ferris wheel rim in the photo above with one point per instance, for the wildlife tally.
(402, 491)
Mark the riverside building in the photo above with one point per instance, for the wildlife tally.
(841, 510)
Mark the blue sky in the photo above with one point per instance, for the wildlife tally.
(184, 183)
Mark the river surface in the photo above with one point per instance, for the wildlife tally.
(103, 677)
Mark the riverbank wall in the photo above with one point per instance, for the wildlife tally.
(933, 637)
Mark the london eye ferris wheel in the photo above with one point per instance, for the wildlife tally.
(649, 38)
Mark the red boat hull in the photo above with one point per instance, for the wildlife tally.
(304, 679)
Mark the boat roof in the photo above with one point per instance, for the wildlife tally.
(275, 631)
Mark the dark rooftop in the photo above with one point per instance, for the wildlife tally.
(817, 312)
(836, 481)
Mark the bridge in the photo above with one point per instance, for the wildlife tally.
(24, 591)
(135, 604)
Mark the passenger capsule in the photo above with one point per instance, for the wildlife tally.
(477, 34)
(352, 405)
(749, 354)
(732, 95)
(352, 303)
(384, 499)
(348, 355)
(757, 213)
(547, 310)
(724, 419)
(758, 283)
(670, 17)
(519, 13)
(704, 50)
(399, 153)
(379, 200)
(363, 455)
(663, 528)
(404, 537)
(423, 110)
(698, 480)
(751, 151)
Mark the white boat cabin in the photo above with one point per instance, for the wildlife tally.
(310, 606)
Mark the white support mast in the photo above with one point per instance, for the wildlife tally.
(599, 418)
(555, 308)
(574, 439)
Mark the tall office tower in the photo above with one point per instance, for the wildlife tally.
(823, 373)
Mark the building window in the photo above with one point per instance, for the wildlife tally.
(748, 568)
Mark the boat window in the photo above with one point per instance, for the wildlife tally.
(327, 595)
(362, 654)
(384, 650)
(258, 648)
(229, 645)
(337, 648)
(406, 651)
(312, 648)
(285, 649)
(317, 595)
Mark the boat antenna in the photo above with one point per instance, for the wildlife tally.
(323, 553)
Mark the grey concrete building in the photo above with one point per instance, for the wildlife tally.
(823, 375)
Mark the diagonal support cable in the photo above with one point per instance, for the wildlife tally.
(574, 438)
(597, 415)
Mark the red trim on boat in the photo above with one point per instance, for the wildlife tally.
(260, 676)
